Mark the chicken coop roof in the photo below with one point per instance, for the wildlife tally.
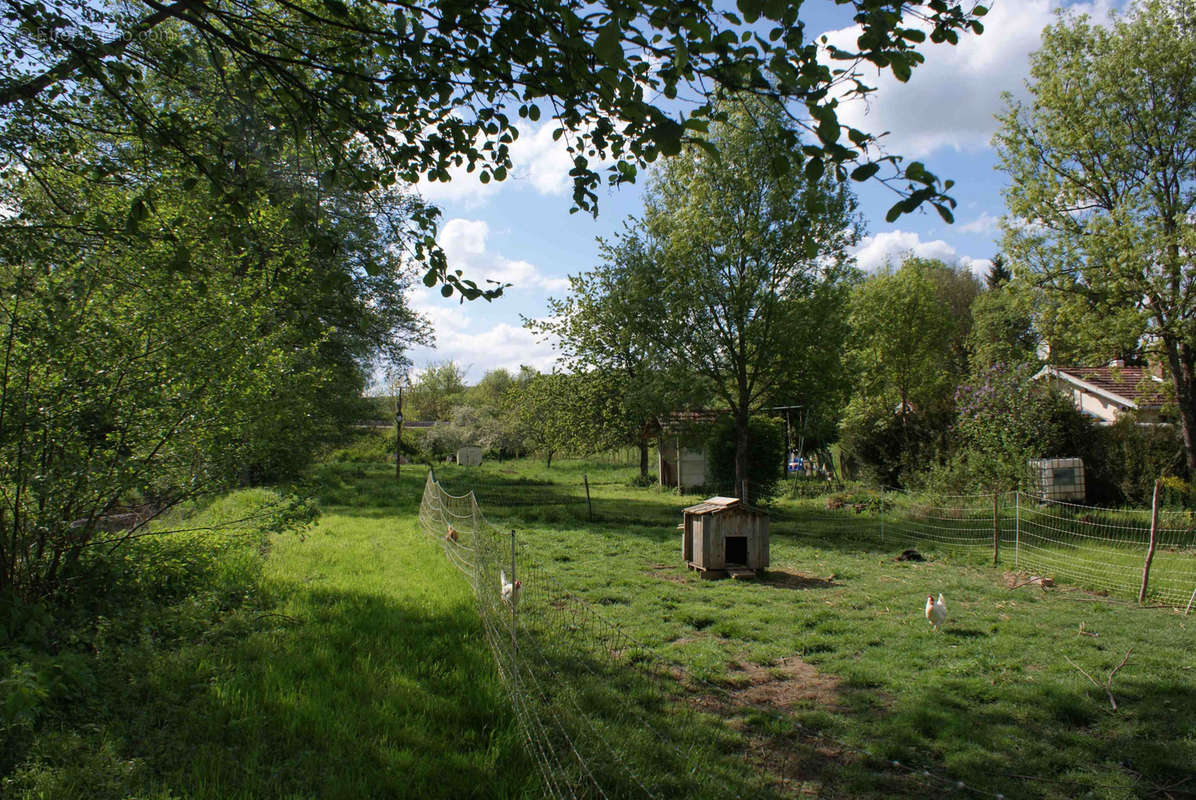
(715, 505)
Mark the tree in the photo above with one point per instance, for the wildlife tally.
(907, 352)
(439, 389)
(766, 461)
(541, 404)
(424, 87)
(1004, 330)
(1102, 168)
(755, 265)
(998, 274)
(162, 343)
(610, 326)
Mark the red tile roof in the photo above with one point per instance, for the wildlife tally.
(1133, 383)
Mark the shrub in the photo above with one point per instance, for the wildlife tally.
(1123, 461)
(766, 456)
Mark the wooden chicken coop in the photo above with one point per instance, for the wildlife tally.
(723, 535)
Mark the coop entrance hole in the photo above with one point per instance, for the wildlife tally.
(737, 551)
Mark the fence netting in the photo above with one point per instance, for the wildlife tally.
(604, 716)
(1099, 549)
(594, 727)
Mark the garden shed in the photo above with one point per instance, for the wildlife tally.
(469, 456)
(725, 535)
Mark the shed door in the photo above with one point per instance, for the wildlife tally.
(737, 550)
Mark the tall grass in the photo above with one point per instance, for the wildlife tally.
(344, 664)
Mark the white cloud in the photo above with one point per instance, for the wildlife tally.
(465, 246)
(985, 223)
(538, 160)
(951, 98)
(888, 249)
(502, 346)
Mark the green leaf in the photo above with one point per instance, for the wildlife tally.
(750, 9)
(430, 278)
(828, 128)
(607, 45)
(865, 171)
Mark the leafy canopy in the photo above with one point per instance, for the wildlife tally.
(1102, 191)
(422, 87)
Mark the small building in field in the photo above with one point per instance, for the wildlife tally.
(1106, 393)
(1059, 478)
(725, 535)
(681, 449)
(469, 456)
(681, 466)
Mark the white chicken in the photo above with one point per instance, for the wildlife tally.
(510, 591)
(936, 612)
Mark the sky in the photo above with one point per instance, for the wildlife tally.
(520, 231)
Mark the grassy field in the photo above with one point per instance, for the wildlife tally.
(348, 663)
(834, 638)
(351, 662)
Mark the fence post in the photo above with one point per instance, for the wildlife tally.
(1154, 525)
(996, 528)
(514, 636)
(1017, 526)
(882, 513)
(589, 508)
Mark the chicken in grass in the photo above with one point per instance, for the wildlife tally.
(510, 591)
(936, 612)
(451, 536)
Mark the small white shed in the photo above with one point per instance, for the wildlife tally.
(469, 456)
(681, 467)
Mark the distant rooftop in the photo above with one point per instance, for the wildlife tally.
(1135, 384)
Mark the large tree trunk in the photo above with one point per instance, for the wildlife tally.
(1180, 360)
(742, 447)
(643, 445)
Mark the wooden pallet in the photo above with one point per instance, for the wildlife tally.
(735, 572)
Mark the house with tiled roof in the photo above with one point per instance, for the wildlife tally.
(1106, 393)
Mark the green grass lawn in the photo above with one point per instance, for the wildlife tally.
(352, 667)
(834, 638)
(352, 662)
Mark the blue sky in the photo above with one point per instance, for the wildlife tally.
(520, 230)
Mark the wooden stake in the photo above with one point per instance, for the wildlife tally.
(1017, 526)
(1154, 527)
(996, 530)
(589, 508)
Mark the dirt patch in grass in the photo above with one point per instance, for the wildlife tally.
(779, 687)
(785, 579)
(796, 765)
(790, 683)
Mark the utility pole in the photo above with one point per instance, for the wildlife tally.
(399, 433)
(788, 437)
